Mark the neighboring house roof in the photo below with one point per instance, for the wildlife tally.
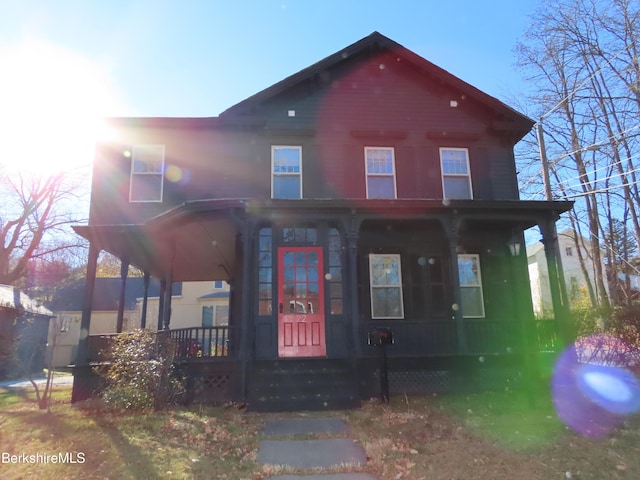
(566, 235)
(212, 295)
(511, 119)
(106, 294)
(535, 248)
(13, 298)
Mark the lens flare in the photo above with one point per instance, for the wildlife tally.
(590, 398)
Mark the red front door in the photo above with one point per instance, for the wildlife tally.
(300, 302)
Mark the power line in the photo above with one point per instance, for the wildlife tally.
(602, 190)
(610, 177)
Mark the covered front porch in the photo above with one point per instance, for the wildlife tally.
(245, 243)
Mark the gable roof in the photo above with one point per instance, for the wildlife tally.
(513, 120)
(106, 294)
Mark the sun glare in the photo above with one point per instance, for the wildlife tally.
(51, 104)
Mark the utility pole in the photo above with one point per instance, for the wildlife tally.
(544, 160)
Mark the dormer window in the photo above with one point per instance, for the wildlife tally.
(380, 172)
(456, 179)
(147, 172)
(286, 172)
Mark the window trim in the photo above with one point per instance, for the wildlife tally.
(160, 173)
(398, 286)
(392, 174)
(274, 174)
(456, 175)
(478, 286)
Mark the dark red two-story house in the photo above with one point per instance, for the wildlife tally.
(370, 190)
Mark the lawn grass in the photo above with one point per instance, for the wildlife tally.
(482, 436)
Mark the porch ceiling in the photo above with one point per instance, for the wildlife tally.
(191, 247)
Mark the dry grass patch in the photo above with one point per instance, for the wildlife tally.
(495, 436)
(173, 444)
(490, 435)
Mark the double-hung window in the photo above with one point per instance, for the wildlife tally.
(147, 172)
(286, 172)
(456, 179)
(215, 315)
(470, 286)
(386, 286)
(380, 172)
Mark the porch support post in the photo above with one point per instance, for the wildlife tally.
(87, 305)
(166, 304)
(163, 289)
(452, 229)
(124, 271)
(557, 284)
(145, 298)
(245, 311)
(80, 389)
(523, 310)
(352, 237)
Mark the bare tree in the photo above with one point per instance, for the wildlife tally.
(582, 57)
(35, 215)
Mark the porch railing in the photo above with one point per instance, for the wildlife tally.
(204, 342)
(196, 342)
(483, 337)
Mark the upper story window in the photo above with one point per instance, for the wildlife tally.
(470, 286)
(456, 179)
(147, 172)
(568, 251)
(380, 172)
(286, 172)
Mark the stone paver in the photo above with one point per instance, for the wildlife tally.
(329, 476)
(304, 426)
(311, 454)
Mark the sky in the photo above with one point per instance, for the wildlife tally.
(67, 64)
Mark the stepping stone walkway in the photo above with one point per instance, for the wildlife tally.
(311, 455)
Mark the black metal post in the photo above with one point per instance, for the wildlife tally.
(384, 375)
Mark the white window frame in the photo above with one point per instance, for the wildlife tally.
(274, 174)
(478, 286)
(65, 323)
(215, 316)
(392, 174)
(159, 173)
(396, 256)
(443, 176)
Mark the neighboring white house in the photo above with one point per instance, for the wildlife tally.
(573, 274)
(193, 304)
(202, 304)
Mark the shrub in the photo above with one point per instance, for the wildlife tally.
(140, 373)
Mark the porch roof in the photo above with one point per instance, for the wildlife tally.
(197, 240)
